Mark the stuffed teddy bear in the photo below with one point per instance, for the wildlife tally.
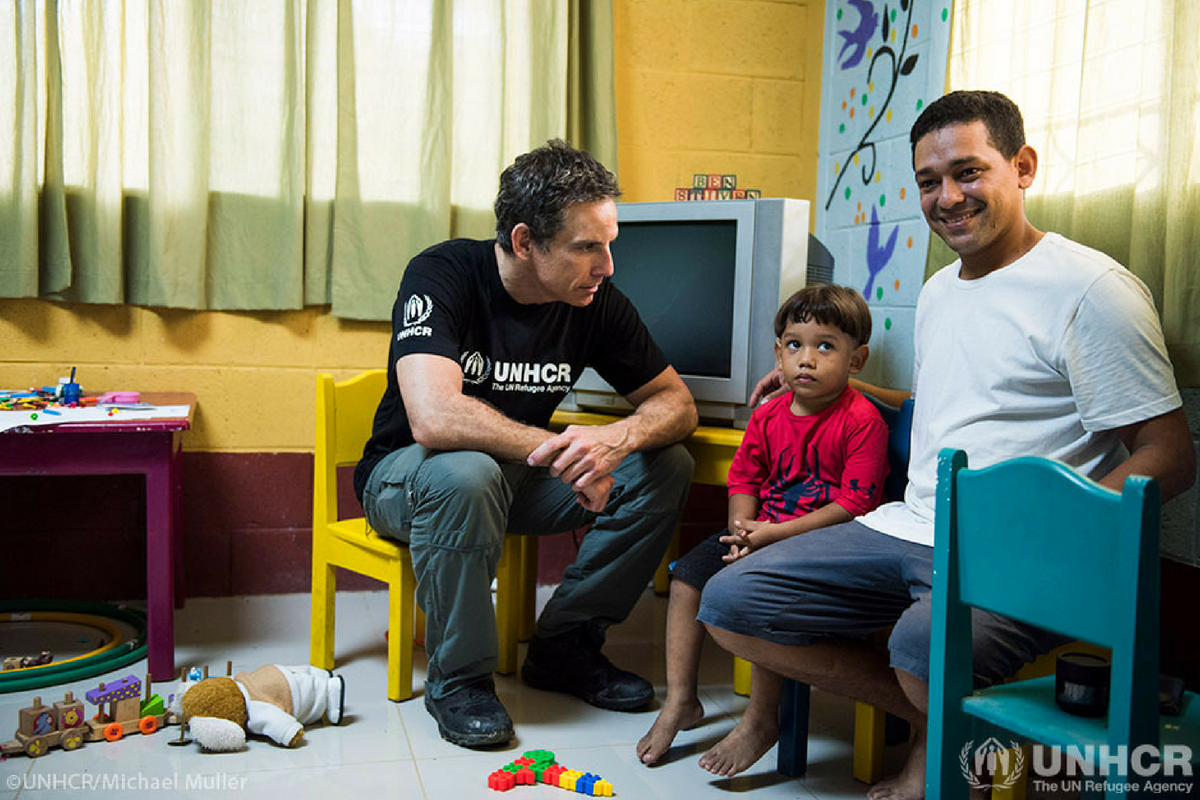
(272, 701)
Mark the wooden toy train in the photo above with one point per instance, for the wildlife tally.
(121, 710)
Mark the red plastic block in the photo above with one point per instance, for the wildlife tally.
(551, 773)
(524, 777)
(501, 781)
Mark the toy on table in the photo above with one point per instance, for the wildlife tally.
(272, 701)
(65, 725)
(539, 766)
(69, 390)
(119, 397)
(25, 662)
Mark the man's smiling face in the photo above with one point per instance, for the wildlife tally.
(970, 193)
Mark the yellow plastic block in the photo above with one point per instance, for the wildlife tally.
(568, 779)
(602, 788)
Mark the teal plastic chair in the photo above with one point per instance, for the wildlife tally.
(1033, 540)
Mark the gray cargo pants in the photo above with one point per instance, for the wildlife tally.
(453, 508)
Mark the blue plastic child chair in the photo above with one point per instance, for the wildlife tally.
(792, 753)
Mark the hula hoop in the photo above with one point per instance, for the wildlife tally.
(115, 637)
(118, 656)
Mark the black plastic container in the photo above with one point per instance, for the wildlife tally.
(1081, 684)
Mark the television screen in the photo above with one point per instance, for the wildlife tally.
(679, 274)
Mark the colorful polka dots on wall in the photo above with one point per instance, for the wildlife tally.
(884, 60)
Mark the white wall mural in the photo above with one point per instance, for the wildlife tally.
(883, 62)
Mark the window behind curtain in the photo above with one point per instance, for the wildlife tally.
(226, 154)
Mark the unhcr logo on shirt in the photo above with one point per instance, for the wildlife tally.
(531, 378)
(417, 309)
(476, 367)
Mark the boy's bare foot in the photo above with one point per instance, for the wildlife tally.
(910, 783)
(743, 746)
(671, 720)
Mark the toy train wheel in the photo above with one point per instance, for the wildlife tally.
(148, 724)
(72, 740)
(38, 746)
(113, 731)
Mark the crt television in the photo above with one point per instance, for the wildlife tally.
(707, 278)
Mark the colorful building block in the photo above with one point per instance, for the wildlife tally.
(586, 782)
(568, 778)
(538, 766)
(729, 181)
(681, 193)
(699, 180)
(501, 781)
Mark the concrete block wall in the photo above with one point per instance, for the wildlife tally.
(728, 86)
(252, 372)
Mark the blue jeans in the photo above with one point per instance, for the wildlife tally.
(453, 509)
(848, 580)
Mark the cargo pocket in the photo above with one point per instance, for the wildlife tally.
(393, 510)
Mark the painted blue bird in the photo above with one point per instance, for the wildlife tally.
(877, 257)
(868, 20)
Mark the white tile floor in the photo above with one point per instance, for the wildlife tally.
(386, 750)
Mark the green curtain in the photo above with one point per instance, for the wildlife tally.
(1110, 93)
(221, 154)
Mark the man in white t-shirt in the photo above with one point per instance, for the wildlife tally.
(1029, 344)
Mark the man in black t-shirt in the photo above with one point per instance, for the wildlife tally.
(487, 338)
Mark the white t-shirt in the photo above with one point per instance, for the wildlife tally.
(1045, 357)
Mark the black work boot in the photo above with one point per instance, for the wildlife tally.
(471, 717)
(572, 663)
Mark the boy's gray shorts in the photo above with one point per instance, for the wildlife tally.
(849, 580)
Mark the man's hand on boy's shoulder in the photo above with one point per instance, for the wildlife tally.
(769, 386)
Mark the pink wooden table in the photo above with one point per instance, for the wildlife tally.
(149, 447)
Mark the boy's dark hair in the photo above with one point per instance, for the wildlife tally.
(827, 304)
(1001, 117)
(538, 187)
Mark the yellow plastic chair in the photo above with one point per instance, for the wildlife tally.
(344, 413)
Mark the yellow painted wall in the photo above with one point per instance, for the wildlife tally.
(252, 372)
(729, 86)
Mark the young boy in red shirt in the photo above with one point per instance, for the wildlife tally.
(812, 457)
